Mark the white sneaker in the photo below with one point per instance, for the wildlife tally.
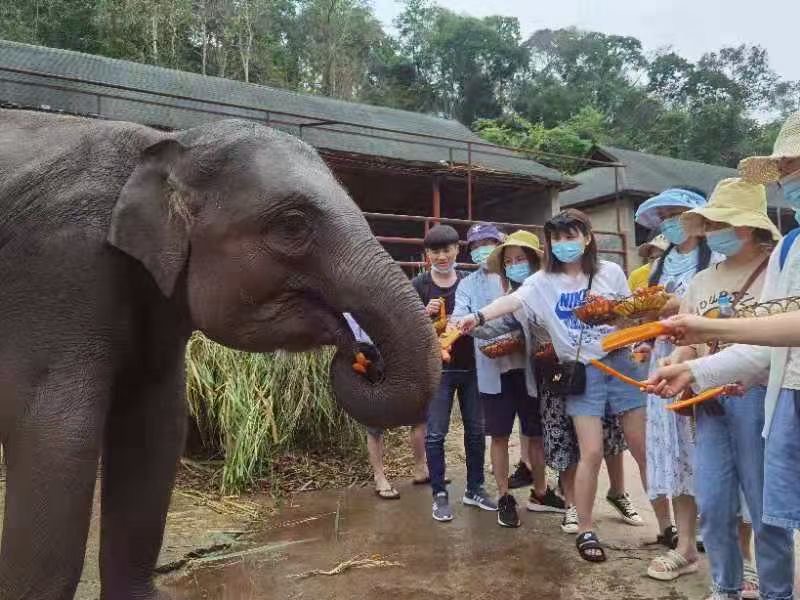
(569, 524)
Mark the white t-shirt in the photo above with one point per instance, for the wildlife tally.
(550, 298)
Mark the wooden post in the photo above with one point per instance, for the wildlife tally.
(623, 235)
(437, 198)
(469, 181)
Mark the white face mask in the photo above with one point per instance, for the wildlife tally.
(443, 270)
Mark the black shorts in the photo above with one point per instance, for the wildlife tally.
(499, 410)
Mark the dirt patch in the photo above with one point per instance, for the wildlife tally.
(304, 546)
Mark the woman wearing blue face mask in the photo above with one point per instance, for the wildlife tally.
(554, 441)
(548, 298)
(516, 259)
(670, 443)
(729, 452)
(773, 357)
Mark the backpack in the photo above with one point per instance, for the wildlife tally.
(787, 244)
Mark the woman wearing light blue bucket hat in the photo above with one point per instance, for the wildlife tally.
(670, 441)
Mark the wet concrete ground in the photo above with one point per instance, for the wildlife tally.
(209, 555)
(470, 558)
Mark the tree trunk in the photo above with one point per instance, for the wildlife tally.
(204, 30)
(154, 35)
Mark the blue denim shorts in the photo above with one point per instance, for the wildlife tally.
(607, 395)
(782, 464)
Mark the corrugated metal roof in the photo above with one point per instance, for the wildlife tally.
(253, 101)
(644, 174)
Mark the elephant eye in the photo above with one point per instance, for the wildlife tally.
(295, 223)
(292, 231)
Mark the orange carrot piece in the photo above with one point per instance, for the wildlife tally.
(359, 368)
(704, 396)
(448, 338)
(361, 359)
(614, 373)
(631, 335)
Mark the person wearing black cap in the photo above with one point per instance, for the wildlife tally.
(434, 287)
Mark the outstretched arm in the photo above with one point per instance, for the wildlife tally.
(505, 305)
(781, 330)
(743, 364)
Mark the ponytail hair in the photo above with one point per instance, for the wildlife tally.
(703, 254)
(703, 260)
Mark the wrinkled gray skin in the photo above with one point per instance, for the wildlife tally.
(116, 241)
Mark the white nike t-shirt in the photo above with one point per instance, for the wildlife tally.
(550, 298)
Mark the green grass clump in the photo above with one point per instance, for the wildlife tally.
(255, 407)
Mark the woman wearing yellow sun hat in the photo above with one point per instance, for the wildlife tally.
(729, 453)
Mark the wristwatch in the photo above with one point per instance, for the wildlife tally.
(481, 318)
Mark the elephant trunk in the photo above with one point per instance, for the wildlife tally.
(381, 299)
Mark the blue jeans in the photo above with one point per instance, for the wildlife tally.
(729, 456)
(466, 384)
(782, 464)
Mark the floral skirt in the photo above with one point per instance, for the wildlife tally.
(560, 441)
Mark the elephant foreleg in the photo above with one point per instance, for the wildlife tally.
(145, 435)
(51, 458)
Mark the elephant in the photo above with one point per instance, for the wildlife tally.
(117, 241)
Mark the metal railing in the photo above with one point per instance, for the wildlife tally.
(300, 121)
(428, 221)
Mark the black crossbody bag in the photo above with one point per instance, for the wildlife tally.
(568, 378)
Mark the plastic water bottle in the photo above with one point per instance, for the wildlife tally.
(725, 306)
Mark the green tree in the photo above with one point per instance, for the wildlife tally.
(570, 69)
(55, 23)
(338, 36)
(467, 63)
(574, 138)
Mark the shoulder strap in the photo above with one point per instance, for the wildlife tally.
(428, 281)
(749, 282)
(742, 291)
(583, 325)
(786, 245)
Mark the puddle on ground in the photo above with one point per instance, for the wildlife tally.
(405, 555)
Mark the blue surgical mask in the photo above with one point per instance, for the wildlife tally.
(481, 255)
(725, 241)
(518, 272)
(569, 251)
(673, 230)
(791, 190)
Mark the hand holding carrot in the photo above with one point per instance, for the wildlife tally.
(688, 329)
(669, 381)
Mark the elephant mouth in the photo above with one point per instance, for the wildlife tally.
(306, 321)
(338, 333)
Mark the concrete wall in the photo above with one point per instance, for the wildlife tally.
(604, 218)
(531, 208)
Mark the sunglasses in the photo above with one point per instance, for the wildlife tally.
(562, 220)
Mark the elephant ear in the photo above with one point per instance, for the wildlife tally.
(151, 220)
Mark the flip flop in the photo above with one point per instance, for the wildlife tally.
(390, 494)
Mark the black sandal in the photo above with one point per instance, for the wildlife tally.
(669, 538)
(586, 543)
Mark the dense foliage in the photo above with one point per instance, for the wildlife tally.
(558, 90)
